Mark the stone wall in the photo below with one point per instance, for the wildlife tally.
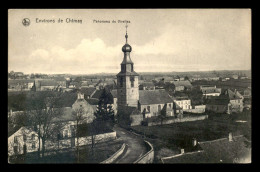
(194, 110)
(136, 119)
(148, 157)
(175, 120)
(114, 156)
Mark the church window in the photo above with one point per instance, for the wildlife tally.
(132, 79)
(132, 67)
(170, 105)
(123, 68)
(121, 81)
(33, 136)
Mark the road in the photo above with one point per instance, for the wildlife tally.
(135, 147)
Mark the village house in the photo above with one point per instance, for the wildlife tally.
(22, 141)
(211, 92)
(146, 86)
(232, 149)
(20, 84)
(153, 101)
(182, 85)
(228, 102)
(183, 102)
(69, 104)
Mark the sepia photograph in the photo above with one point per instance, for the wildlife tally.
(129, 86)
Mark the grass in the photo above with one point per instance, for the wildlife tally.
(101, 153)
(180, 134)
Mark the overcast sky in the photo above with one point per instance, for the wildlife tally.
(161, 40)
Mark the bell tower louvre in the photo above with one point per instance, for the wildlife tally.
(127, 80)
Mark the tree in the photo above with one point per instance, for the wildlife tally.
(162, 114)
(41, 116)
(186, 78)
(79, 117)
(104, 117)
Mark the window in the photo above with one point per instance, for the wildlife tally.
(132, 79)
(170, 105)
(123, 68)
(33, 136)
(33, 145)
(132, 67)
(15, 149)
(24, 137)
(15, 139)
(159, 108)
(121, 79)
(65, 133)
(148, 108)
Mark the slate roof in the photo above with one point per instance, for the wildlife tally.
(19, 81)
(147, 84)
(219, 101)
(182, 83)
(48, 83)
(147, 97)
(97, 94)
(88, 91)
(217, 151)
(208, 91)
(230, 94)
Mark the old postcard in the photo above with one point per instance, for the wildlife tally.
(129, 86)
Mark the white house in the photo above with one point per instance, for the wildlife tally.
(22, 141)
(184, 103)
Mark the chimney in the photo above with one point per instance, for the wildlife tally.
(194, 142)
(230, 137)
(182, 151)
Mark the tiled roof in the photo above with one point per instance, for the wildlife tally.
(98, 94)
(48, 83)
(182, 83)
(19, 81)
(66, 99)
(230, 94)
(217, 151)
(88, 91)
(208, 91)
(147, 97)
(147, 84)
(219, 101)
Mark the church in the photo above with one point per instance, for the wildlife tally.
(136, 106)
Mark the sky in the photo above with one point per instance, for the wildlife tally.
(162, 40)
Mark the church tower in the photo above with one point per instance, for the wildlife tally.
(127, 80)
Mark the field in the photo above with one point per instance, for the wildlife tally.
(179, 135)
